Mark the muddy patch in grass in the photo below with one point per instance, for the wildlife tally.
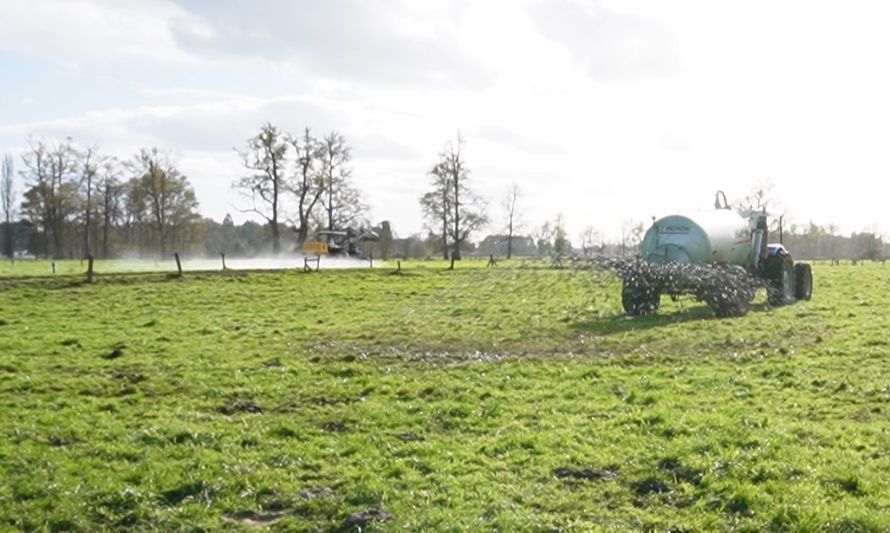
(605, 474)
(359, 519)
(240, 406)
(334, 427)
(315, 493)
(253, 519)
(116, 351)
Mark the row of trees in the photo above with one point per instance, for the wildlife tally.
(78, 201)
(81, 202)
(301, 181)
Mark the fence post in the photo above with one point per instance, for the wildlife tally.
(54, 267)
(371, 259)
(89, 269)
(178, 264)
(223, 259)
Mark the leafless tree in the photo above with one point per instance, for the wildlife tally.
(89, 162)
(7, 203)
(467, 209)
(514, 217)
(437, 205)
(265, 155)
(589, 239)
(309, 183)
(110, 194)
(342, 202)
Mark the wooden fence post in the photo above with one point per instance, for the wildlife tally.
(89, 269)
(54, 267)
(178, 264)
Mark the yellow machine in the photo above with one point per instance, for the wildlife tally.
(315, 248)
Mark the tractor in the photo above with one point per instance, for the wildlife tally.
(720, 257)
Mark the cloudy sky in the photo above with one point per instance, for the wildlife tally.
(601, 110)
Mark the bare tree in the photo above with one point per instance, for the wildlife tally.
(589, 239)
(89, 166)
(343, 204)
(631, 235)
(7, 203)
(309, 183)
(513, 216)
(265, 154)
(437, 205)
(110, 194)
(468, 213)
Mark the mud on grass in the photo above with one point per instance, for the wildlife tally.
(508, 398)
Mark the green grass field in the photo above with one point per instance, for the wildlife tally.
(475, 399)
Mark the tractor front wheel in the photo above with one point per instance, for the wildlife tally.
(803, 281)
(779, 272)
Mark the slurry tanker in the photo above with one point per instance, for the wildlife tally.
(720, 257)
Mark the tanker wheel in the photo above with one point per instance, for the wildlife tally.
(640, 300)
(779, 272)
(803, 281)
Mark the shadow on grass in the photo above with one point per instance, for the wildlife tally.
(622, 323)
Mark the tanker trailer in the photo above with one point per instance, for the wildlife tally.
(720, 257)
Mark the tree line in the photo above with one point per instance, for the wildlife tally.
(78, 201)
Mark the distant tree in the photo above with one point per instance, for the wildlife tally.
(631, 235)
(167, 199)
(51, 198)
(467, 209)
(437, 206)
(265, 155)
(342, 202)
(590, 238)
(110, 194)
(7, 204)
(543, 237)
(227, 237)
(513, 216)
(88, 163)
(385, 240)
(561, 243)
(308, 184)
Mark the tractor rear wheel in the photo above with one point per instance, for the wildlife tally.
(803, 281)
(640, 300)
(779, 272)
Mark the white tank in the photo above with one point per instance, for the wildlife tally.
(719, 236)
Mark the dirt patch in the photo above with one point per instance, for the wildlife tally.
(360, 519)
(334, 427)
(315, 493)
(116, 351)
(605, 474)
(253, 519)
(649, 485)
(679, 472)
(240, 406)
(58, 441)
(408, 437)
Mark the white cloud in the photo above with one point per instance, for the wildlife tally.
(73, 31)
(603, 111)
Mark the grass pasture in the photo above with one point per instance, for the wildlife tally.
(506, 398)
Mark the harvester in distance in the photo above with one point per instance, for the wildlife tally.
(720, 257)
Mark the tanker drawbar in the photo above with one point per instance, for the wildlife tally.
(720, 257)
